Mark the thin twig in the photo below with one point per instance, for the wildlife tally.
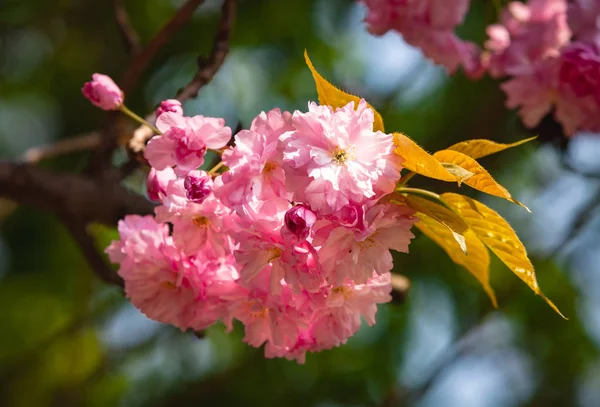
(141, 61)
(128, 33)
(220, 49)
(84, 142)
(217, 55)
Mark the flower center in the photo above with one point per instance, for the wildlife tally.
(200, 221)
(168, 285)
(269, 167)
(340, 156)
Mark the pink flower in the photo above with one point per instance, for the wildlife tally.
(533, 93)
(255, 174)
(345, 160)
(578, 104)
(268, 317)
(184, 141)
(197, 226)
(157, 181)
(169, 105)
(333, 324)
(103, 92)
(156, 276)
(428, 25)
(528, 34)
(356, 254)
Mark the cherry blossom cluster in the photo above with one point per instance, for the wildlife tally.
(293, 240)
(548, 50)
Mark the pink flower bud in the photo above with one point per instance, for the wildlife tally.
(157, 181)
(198, 186)
(103, 92)
(169, 105)
(299, 220)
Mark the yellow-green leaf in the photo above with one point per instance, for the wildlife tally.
(480, 147)
(334, 97)
(477, 258)
(446, 217)
(496, 233)
(481, 180)
(420, 161)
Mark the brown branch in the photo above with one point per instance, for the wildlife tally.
(89, 250)
(141, 61)
(82, 198)
(220, 49)
(84, 142)
(128, 33)
(217, 55)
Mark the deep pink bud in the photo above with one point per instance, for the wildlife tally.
(169, 105)
(157, 181)
(580, 69)
(299, 220)
(198, 186)
(103, 92)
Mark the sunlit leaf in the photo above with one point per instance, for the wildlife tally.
(446, 217)
(481, 180)
(481, 148)
(477, 258)
(420, 161)
(334, 97)
(497, 234)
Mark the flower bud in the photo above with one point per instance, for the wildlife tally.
(198, 186)
(169, 105)
(103, 92)
(157, 181)
(299, 220)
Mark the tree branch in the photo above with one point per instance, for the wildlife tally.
(219, 51)
(82, 198)
(95, 259)
(84, 142)
(217, 55)
(128, 33)
(141, 61)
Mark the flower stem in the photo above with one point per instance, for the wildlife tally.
(404, 180)
(214, 169)
(138, 119)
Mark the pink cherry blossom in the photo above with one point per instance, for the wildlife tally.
(103, 92)
(184, 141)
(355, 255)
(197, 226)
(333, 324)
(255, 173)
(344, 158)
(527, 35)
(169, 105)
(428, 25)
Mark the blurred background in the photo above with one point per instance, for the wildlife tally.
(66, 339)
